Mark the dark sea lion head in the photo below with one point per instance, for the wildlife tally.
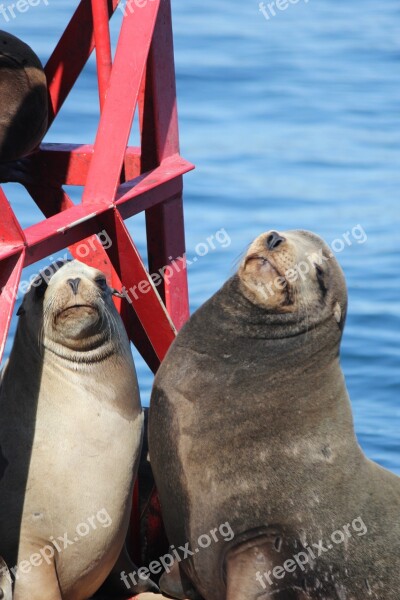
(69, 306)
(24, 99)
(294, 278)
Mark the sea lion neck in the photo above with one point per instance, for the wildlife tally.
(243, 329)
(257, 322)
(86, 356)
(97, 349)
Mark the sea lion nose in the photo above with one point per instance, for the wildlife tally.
(273, 240)
(74, 283)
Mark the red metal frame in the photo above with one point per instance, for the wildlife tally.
(118, 181)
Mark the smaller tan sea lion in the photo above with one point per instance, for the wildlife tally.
(70, 437)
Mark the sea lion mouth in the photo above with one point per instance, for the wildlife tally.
(265, 261)
(276, 275)
(88, 309)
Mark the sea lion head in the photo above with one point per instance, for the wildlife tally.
(24, 95)
(294, 273)
(69, 309)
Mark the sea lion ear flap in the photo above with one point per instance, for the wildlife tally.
(337, 313)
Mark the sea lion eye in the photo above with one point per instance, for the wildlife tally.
(320, 272)
(101, 283)
(320, 278)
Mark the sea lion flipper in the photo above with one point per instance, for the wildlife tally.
(254, 570)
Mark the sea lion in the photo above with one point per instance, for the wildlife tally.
(70, 436)
(250, 423)
(24, 99)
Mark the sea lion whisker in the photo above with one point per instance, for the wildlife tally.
(256, 256)
(239, 258)
(102, 312)
(46, 318)
(110, 327)
(115, 327)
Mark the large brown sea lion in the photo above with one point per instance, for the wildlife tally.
(250, 423)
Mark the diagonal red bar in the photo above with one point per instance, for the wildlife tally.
(10, 230)
(138, 285)
(10, 275)
(103, 46)
(92, 251)
(60, 230)
(11, 235)
(62, 164)
(79, 221)
(170, 168)
(70, 55)
(117, 116)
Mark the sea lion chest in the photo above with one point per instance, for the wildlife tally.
(75, 456)
(87, 424)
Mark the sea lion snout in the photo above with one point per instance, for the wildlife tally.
(74, 284)
(263, 271)
(273, 240)
(78, 296)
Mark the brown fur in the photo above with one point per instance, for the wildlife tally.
(24, 104)
(250, 422)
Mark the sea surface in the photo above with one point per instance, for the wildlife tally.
(293, 121)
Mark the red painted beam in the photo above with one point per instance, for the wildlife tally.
(77, 222)
(117, 116)
(92, 251)
(166, 243)
(160, 136)
(12, 238)
(171, 168)
(60, 231)
(10, 275)
(160, 139)
(103, 46)
(139, 287)
(70, 55)
(62, 164)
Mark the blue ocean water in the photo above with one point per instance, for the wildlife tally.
(293, 121)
